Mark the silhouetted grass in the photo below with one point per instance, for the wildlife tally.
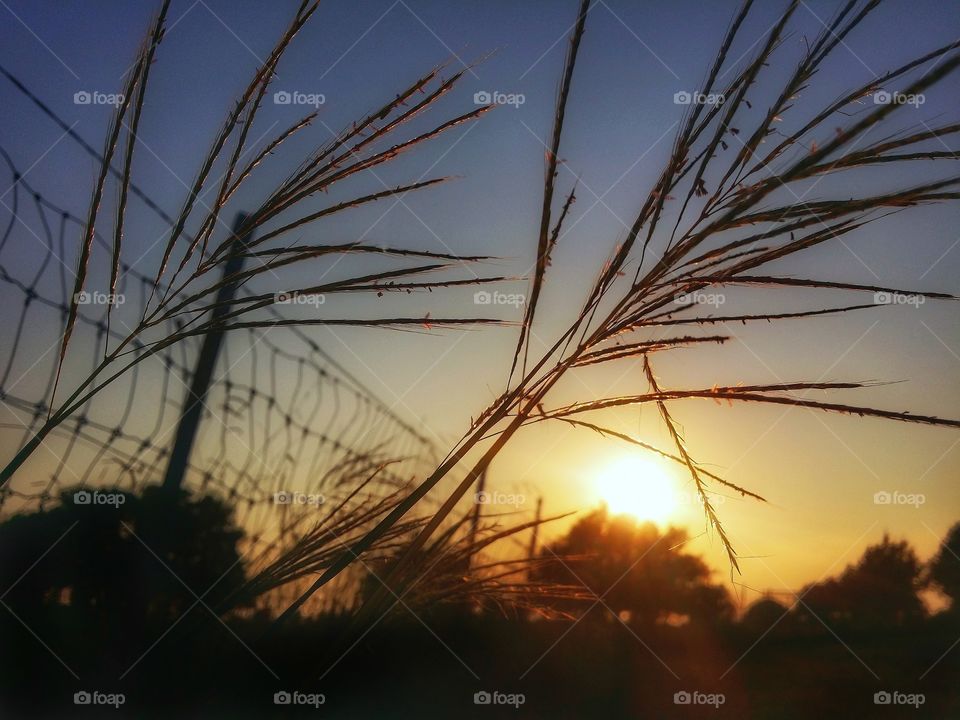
(715, 181)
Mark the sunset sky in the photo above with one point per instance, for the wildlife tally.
(819, 472)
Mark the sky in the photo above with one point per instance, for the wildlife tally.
(819, 472)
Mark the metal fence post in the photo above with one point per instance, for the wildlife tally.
(202, 376)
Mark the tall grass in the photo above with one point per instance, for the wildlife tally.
(192, 267)
(719, 173)
(711, 219)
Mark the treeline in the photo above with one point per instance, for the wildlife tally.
(645, 576)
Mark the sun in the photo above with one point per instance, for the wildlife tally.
(637, 486)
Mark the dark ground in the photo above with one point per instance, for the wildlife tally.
(91, 605)
(403, 669)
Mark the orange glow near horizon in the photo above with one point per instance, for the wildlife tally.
(637, 486)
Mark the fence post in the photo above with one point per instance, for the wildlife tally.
(200, 383)
(475, 520)
(532, 552)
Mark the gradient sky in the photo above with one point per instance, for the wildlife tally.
(820, 472)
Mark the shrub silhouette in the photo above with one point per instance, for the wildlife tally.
(763, 615)
(138, 558)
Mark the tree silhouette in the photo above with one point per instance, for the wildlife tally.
(636, 569)
(944, 568)
(879, 590)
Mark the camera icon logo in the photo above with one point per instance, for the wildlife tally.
(82, 698)
(81, 497)
(682, 698)
(282, 97)
(283, 498)
(882, 698)
(882, 97)
(82, 97)
(482, 297)
(482, 98)
(682, 98)
(282, 698)
(482, 698)
(882, 298)
(882, 498)
(482, 498)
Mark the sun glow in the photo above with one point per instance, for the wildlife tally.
(637, 486)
